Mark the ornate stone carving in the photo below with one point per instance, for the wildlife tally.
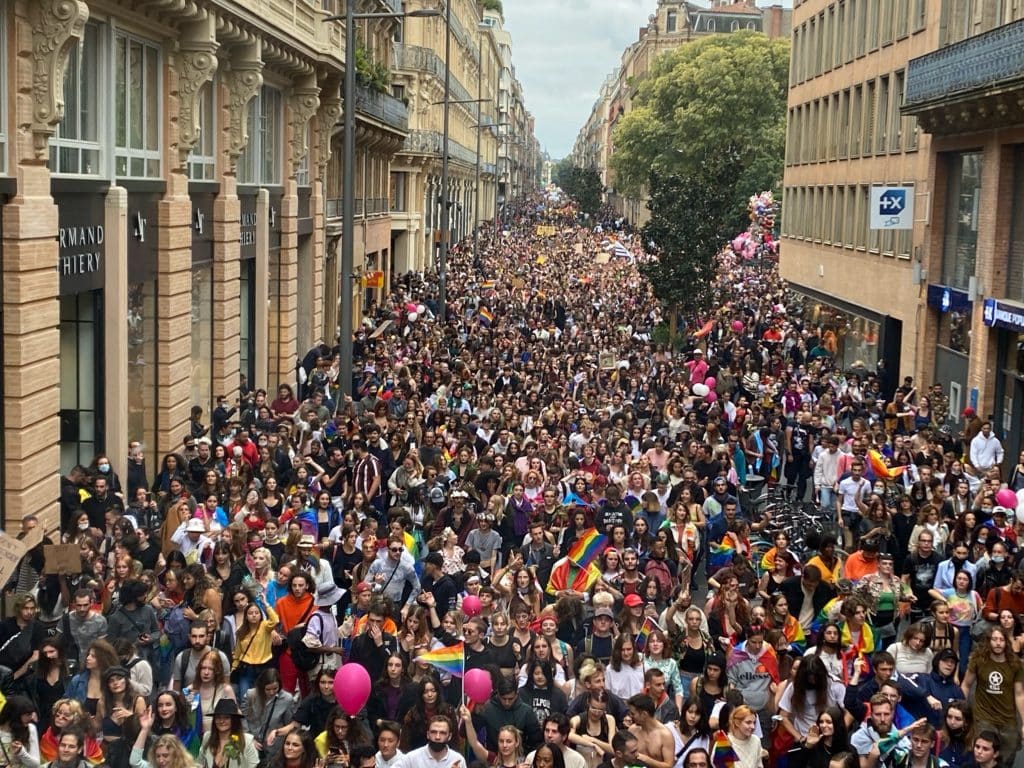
(196, 65)
(56, 26)
(304, 102)
(244, 80)
(326, 119)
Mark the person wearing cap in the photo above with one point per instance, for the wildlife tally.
(926, 695)
(438, 588)
(362, 599)
(600, 640)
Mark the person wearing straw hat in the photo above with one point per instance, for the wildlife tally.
(322, 629)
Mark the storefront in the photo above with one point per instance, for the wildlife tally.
(203, 197)
(307, 330)
(858, 338)
(1007, 320)
(81, 250)
(951, 309)
(247, 285)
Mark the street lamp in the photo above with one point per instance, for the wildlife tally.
(442, 282)
(348, 178)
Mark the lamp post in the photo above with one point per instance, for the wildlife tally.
(442, 282)
(348, 175)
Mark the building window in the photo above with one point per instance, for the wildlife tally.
(734, 27)
(710, 25)
(137, 111)
(75, 147)
(670, 21)
(901, 14)
(302, 171)
(882, 136)
(960, 240)
(870, 105)
(202, 160)
(856, 122)
(899, 122)
(260, 162)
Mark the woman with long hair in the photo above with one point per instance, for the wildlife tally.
(212, 685)
(561, 651)
(713, 685)
(830, 650)
(173, 715)
(225, 743)
(19, 737)
(166, 751)
(510, 744)
(268, 708)
(253, 648)
(691, 646)
(540, 650)
(414, 636)
(297, 751)
(87, 685)
(778, 617)
(811, 693)
(825, 739)
(591, 732)
(728, 613)
(118, 709)
(956, 736)
(200, 593)
(520, 586)
(693, 728)
(427, 704)
(658, 655)
(340, 734)
(67, 714)
(624, 676)
(503, 649)
(50, 679)
(391, 696)
(539, 690)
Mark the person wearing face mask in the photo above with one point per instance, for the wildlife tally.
(995, 571)
(437, 753)
(100, 467)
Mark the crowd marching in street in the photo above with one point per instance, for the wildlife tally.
(535, 534)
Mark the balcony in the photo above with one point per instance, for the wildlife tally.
(488, 169)
(387, 109)
(362, 206)
(430, 143)
(420, 59)
(971, 85)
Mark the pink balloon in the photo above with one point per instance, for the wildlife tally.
(711, 397)
(710, 382)
(471, 605)
(410, 307)
(352, 687)
(737, 325)
(1006, 498)
(477, 685)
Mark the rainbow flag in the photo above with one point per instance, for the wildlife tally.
(881, 471)
(649, 626)
(722, 753)
(488, 285)
(485, 316)
(568, 575)
(588, 547)
(451, 659)
(721, 555)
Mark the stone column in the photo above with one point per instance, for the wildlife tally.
(241, 81)
(115, 337)
(31, 308)
(325, 315)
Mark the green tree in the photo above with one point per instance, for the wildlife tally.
(717, 92)
(581, 184)
(692, 217)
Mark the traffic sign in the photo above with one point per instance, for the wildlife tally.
(892, 207)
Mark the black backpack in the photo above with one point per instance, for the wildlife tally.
(302, 657)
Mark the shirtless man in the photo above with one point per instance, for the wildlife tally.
(656, 745)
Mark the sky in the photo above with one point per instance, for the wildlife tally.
(562, 51)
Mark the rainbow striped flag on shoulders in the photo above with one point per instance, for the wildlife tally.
(485, 316)
(588, 547)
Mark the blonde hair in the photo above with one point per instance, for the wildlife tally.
(603, 600)
(180, 758)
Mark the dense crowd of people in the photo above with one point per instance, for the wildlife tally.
(733, 553)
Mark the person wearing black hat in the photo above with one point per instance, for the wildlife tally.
(926, 695)
(227, 742)
(437, 583)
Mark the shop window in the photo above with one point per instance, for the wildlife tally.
(75, 147)
(260, 162)
(202, 335)
(81, 364)
(202, 160)
(1015, 265)
(960, 241)
(137, 109)
(955, 331)
(302, 171)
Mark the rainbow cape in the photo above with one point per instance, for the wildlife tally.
(722, 753)
(451, 659)
(485, 316)
(881, 471)
(721, 555)
(588, 547)
(649, 626)
(306, 519)
(856, 653)
(568, 575)
(794, 634)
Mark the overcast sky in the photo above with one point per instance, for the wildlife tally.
(562, 51)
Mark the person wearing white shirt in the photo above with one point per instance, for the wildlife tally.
(986, 450)
(191, 540)
(437, 753)
(388, 753)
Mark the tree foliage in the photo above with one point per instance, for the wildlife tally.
(692, 216)
(720, 91)
(581, 184)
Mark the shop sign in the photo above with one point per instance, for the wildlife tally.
(80, 249)
(946, 299)
(247, 226)
(1003, 314)
(81, 240)
(202, 227)
(892, 207)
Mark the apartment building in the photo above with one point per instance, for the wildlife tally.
(967, 98)
(845, 134)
